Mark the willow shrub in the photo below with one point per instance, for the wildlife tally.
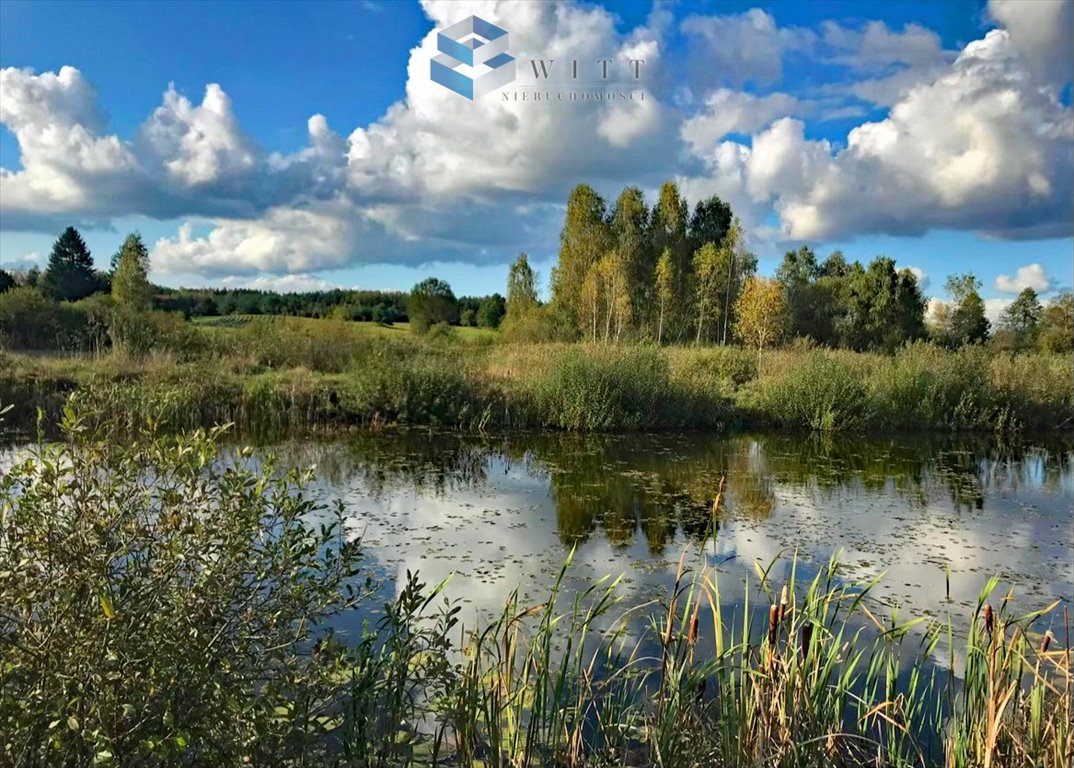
(159, 609)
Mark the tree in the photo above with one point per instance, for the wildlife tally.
(431, 301)
(968, 323)
(6, 281)
(668, 224)
(1022, 317)
(710, 222)
(70, 275)
(665, 290)
(491, 312)
(796, 274)
(707, 269)
(583, 242)
(521, 287)
(761, 313)
(632, 235)
(130, 281)
(719, 271)
(884, 308)
(605, 300)
(1056, 330)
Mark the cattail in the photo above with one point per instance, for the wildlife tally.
(989, 619)
(692, 637)
(783, 604)
(807, 636)
(773, 624)
(1047, 641)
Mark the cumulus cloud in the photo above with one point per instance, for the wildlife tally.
(978, 141)
(1042, 31)
(994, 309)
(742, 48)
(295, 283)
(1030, 276)
(889, 61)
(984, 147)
(923, 281)
(727, 111)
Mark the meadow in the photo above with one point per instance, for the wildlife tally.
(272, 375)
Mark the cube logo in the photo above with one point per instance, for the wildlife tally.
(473, 58)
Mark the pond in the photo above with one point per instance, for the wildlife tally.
(937, 517)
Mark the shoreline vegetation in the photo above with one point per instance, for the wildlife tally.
(161, 608)
(656, 319)
(273, 376)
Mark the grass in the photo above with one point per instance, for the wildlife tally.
(161, 609)
(278, 374)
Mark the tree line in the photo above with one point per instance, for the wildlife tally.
(671, 275)
(665, 274)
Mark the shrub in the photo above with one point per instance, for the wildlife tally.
(594, 388)
(825, 392)
(426, 388)
(925, 385)
(162, 610)
(30, 320)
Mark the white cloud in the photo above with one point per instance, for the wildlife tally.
(994, 308)
(1042, 31)
(984, 148)
(284, 240)
(727, 111)
(1030, 276)
(892, 62)
(296, 283)
(923, 281)
(741, 48)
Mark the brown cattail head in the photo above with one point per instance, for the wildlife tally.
(773, 624)
(692, 638)
(1047, 641)
(990, 621)
(807, 636)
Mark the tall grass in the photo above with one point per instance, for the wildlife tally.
(283, 373)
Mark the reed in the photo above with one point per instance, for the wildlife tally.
(280, 374)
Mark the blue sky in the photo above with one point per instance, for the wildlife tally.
(936, 133)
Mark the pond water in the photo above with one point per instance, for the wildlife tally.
(502, 513)
(936, 517)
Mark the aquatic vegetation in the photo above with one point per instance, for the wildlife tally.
(164, 607)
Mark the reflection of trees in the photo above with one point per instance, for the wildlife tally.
(663, 486)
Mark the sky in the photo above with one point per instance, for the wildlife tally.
(304, 145)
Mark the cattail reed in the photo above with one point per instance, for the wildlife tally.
(807, 637)
(1047, 641)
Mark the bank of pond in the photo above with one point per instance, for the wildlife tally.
(274, 379)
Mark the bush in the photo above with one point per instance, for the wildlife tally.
(924, 386)
(424, 388)
(825, 392)
(162, 610)
(29, 320)
(595, 388)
